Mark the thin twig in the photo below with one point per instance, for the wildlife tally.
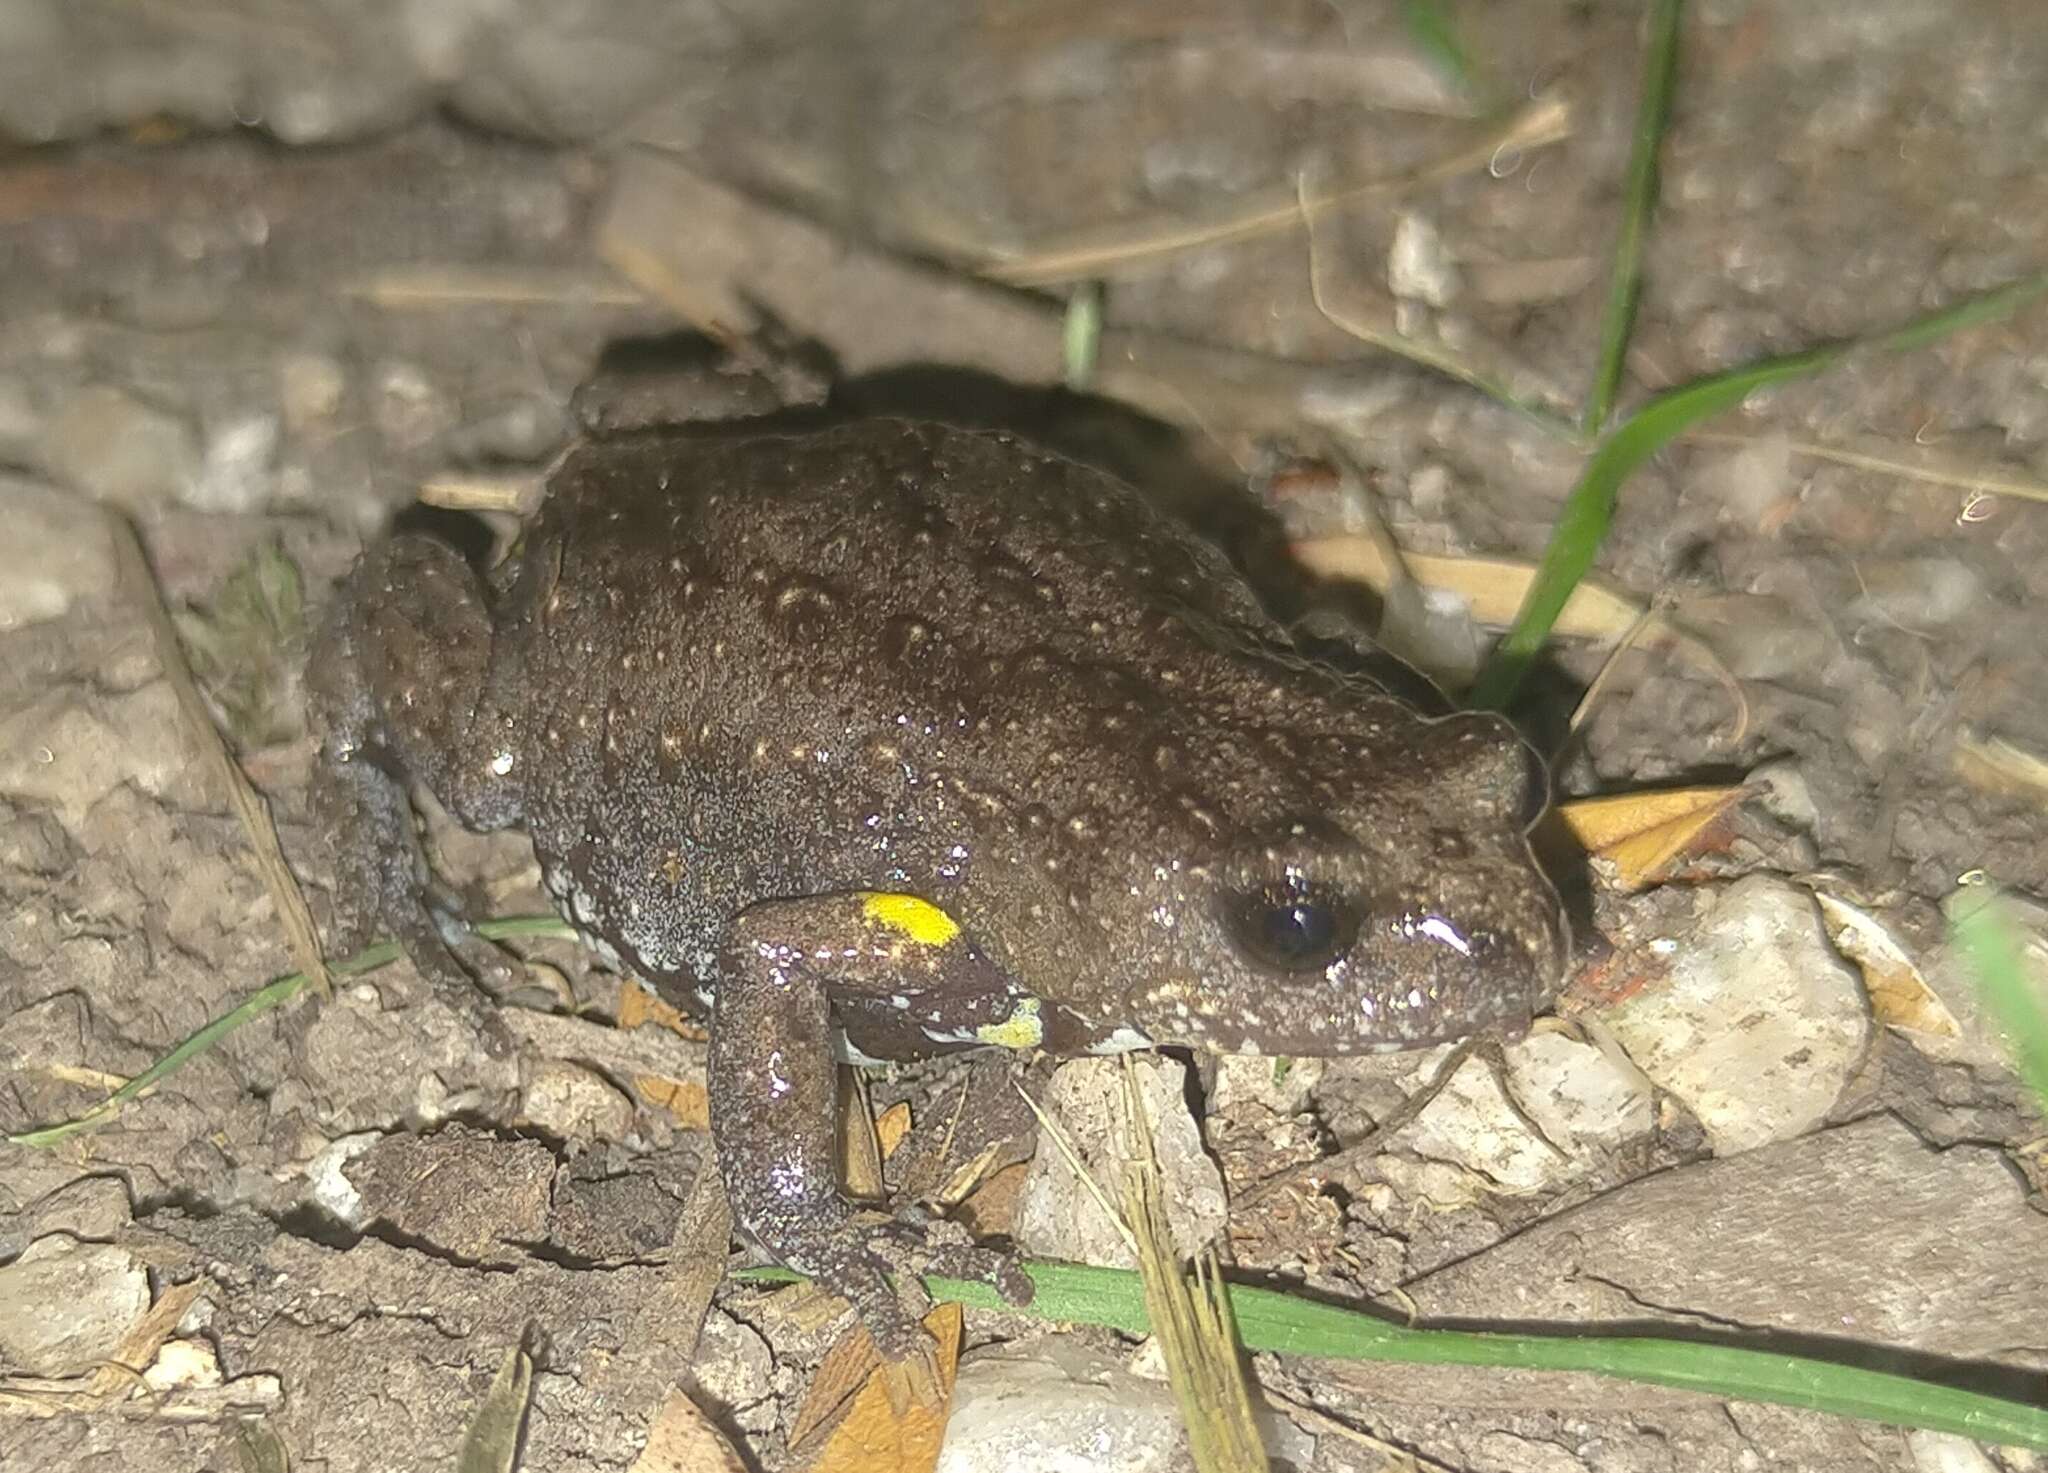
(1316, 1419)
(1960, 480)
(1545, 120)
(1652, 620)
(290, 902)
(1064, 1144)
(1415, 350)
(1369, 1145)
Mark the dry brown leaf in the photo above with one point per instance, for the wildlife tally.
(685, 1099)
(143, 1340)
(1994, 765)
(516, 495)
(638, 1007)
(893, 1125)
(838, 1379)
(1643, 834)
(681, 1439)
(878, 1429)
(992, 1210)
(1491, 587)
(860, 1148)
(968, 1175)
(1899, 994)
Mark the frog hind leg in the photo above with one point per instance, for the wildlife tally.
(773, 1102)
(396, 684)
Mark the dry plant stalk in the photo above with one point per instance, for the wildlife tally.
(1103, 250)
(1197, 1331)
(292, 911)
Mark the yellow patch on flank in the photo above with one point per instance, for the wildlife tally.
(1022, 1029)
(907, 915)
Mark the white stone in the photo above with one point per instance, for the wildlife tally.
(1053, 1407)
(183, 1363)
(118, 449)
(1419, 267)
(328, 1184)
(1282, 1086)
(73, 747)
(1058, 1217)
(65, 1304)
(310, 389)
(235, 474)
(571, 1102)
(1756, 1024)
(1585, 1102)
(55, 552)
(1944, 1452)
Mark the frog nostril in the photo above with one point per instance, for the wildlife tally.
(1449, 844)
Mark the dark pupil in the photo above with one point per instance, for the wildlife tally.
(1299, 934)
(1293, 928)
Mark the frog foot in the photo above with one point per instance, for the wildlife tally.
(907, 1247)
(464, 970)
(467, 972)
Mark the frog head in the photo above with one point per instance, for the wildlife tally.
(1382, 904)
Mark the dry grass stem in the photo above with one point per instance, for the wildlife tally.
(1103, 251)
(410, 287)
(292, 911)
(1960, 478)
(1064, 1144)
(1191, 1317)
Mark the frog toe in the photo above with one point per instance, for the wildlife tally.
(464, 969)
(916, 1245)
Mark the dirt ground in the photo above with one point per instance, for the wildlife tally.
(268, 277)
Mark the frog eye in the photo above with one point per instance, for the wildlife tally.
(1292, 928)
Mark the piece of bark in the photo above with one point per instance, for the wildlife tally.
(1859, 1234)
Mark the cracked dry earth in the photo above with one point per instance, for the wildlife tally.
(348, 1220)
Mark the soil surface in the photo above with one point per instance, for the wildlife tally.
(265, 282)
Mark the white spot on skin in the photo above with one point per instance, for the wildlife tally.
(1436, 928)
(502, 763)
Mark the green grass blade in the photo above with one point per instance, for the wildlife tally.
(1639, 200)
(1269, 1319)
(1992, 942)
(1589, 509)
(1429, 27)
(1081, 336)
(277, 993)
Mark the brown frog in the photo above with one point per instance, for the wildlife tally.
(889, 738)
